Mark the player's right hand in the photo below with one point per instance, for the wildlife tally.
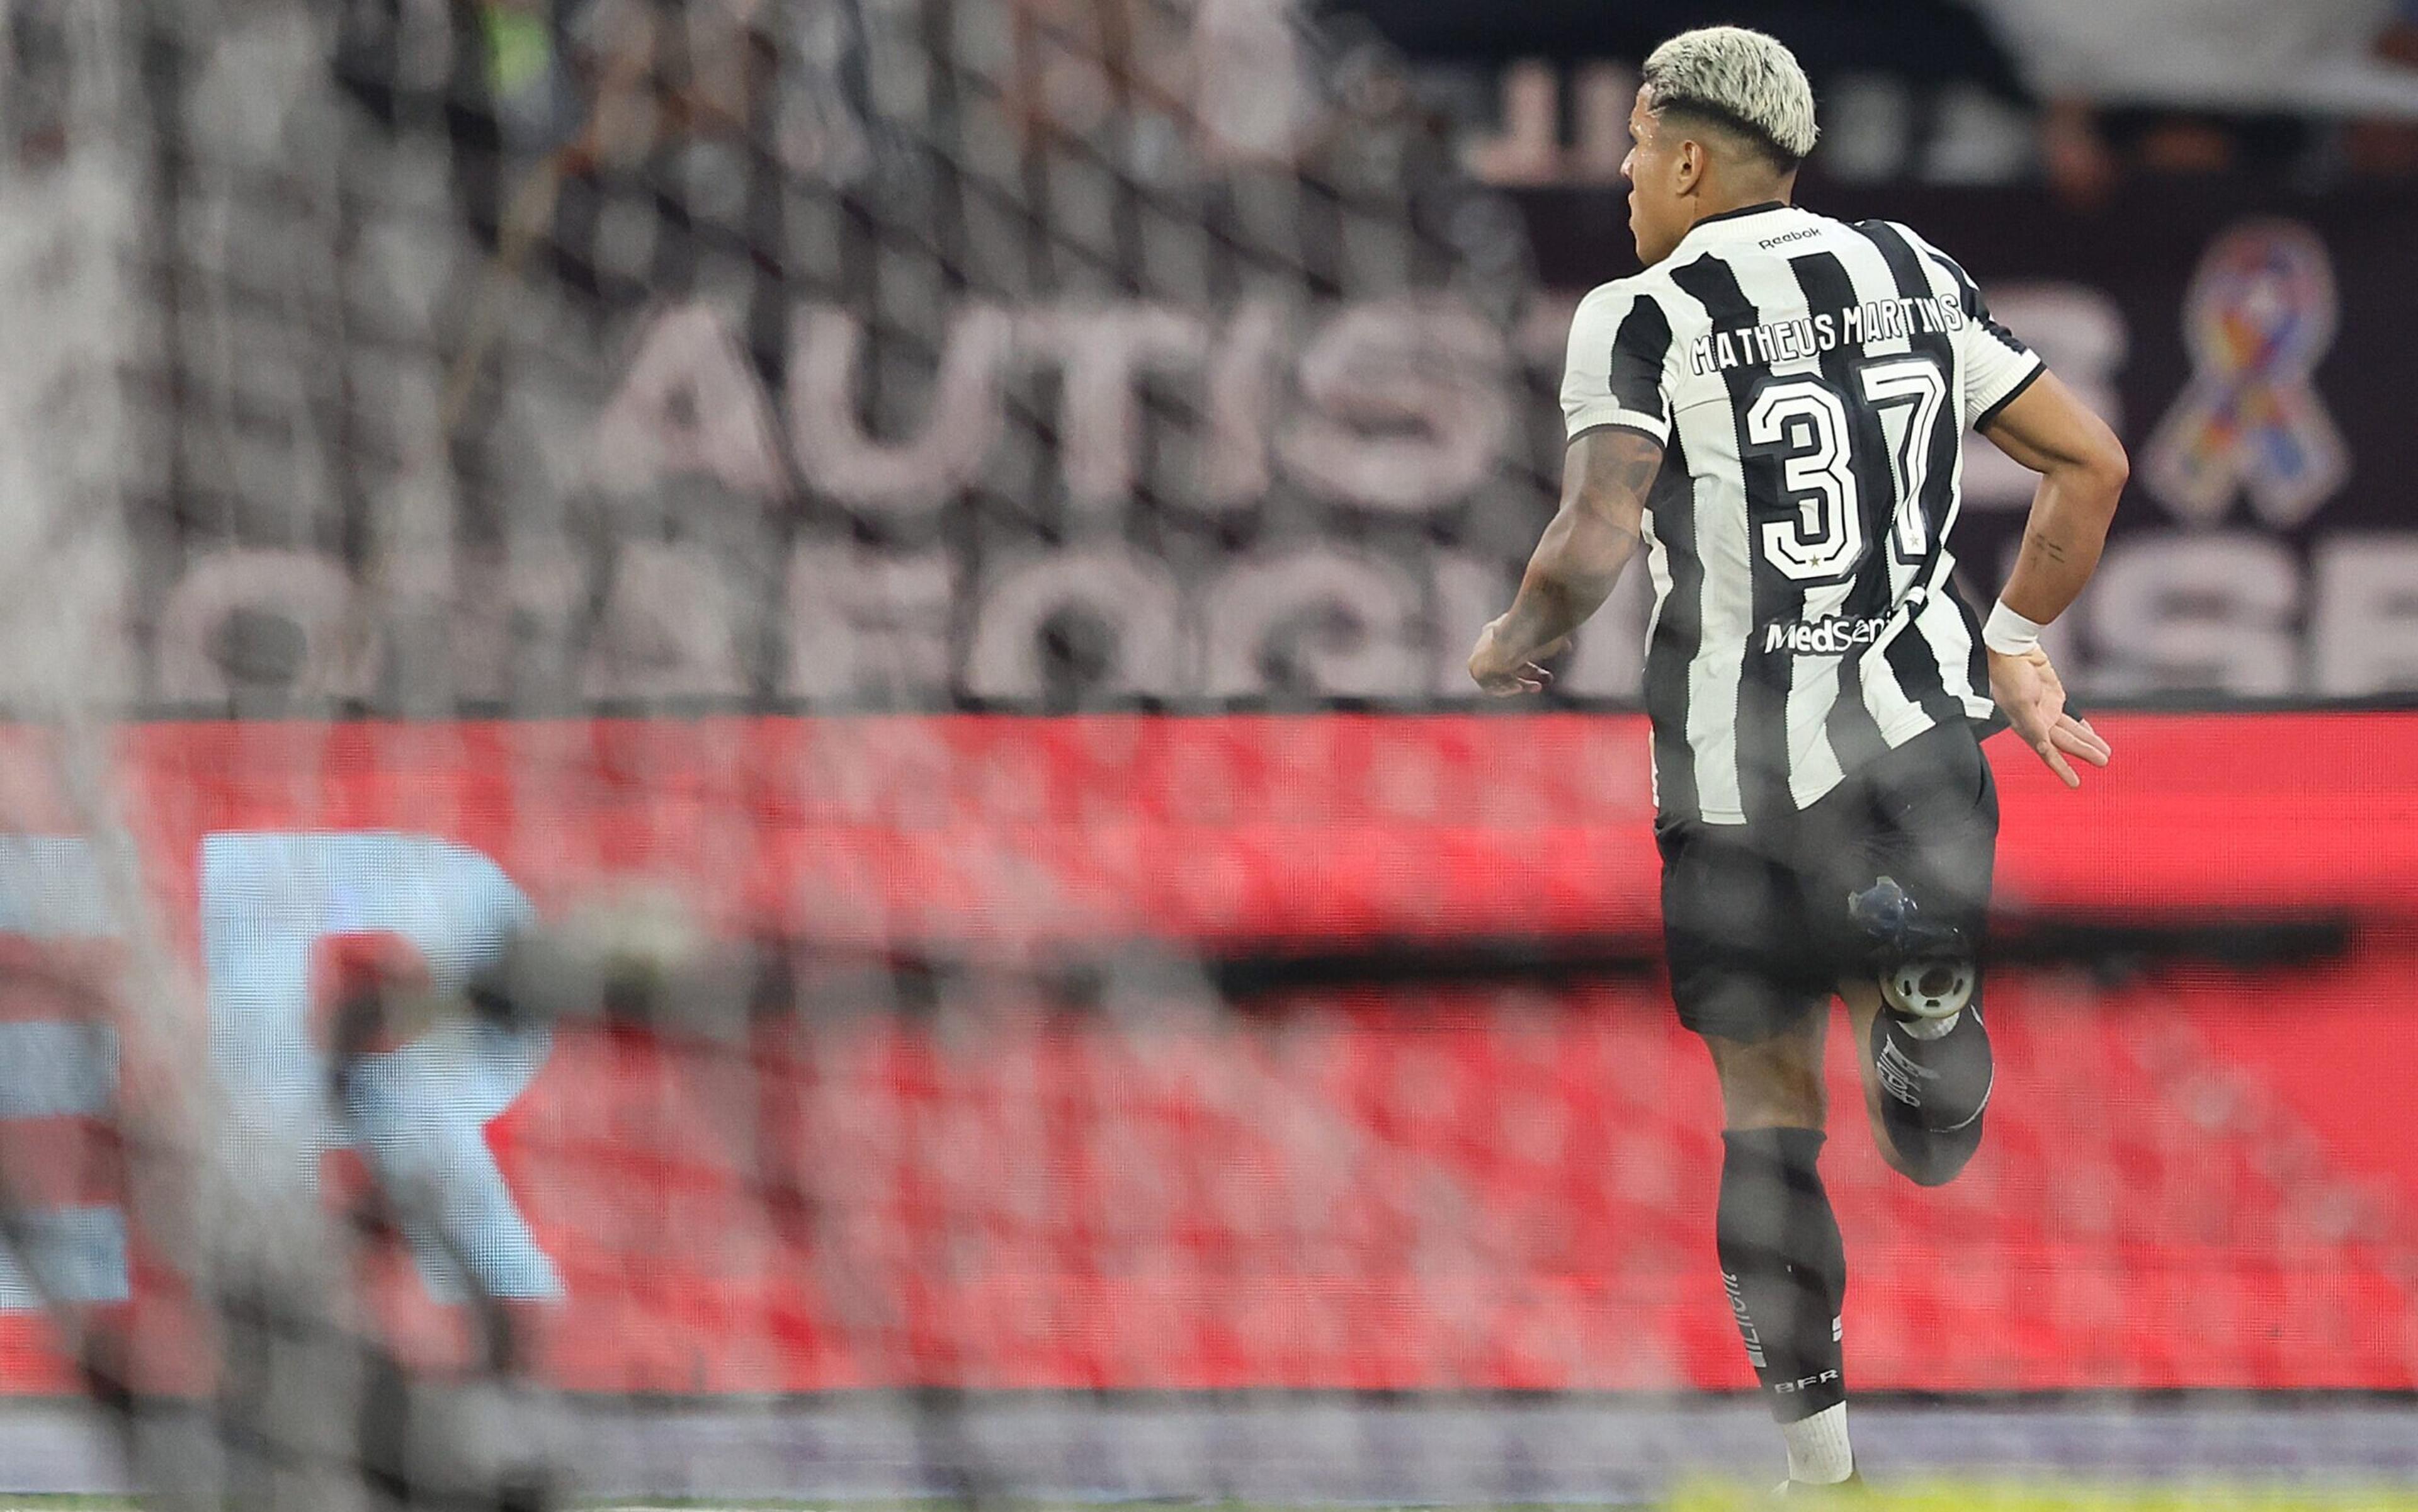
(1506, 677)
(2027, 689)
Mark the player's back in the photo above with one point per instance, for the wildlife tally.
(1811, 382)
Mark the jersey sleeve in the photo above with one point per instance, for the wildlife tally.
(1619, 342)
(1997, 365)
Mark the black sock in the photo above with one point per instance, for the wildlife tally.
(1933, 1091)
(1784, 1267)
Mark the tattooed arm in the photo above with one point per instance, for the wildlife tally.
(1606, 476)
(2082, 468)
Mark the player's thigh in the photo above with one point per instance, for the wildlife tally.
(1925, 814)
(1863, 997)
(1743, 974)
(1936, 822)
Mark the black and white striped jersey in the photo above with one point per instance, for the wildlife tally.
(1811, 382)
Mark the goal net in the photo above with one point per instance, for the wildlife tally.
(739, 771)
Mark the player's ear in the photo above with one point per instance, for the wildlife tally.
(1687, 165)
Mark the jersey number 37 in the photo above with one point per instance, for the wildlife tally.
(1808, 425)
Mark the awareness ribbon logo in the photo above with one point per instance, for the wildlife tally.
(2260, 317)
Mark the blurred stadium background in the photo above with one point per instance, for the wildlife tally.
(984, 503)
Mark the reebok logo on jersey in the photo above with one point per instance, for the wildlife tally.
(1832, 636)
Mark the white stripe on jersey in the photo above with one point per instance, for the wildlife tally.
(1813, 762)
(1713, 677)
(1899, 718)
(1657, 570)
(1952, 646)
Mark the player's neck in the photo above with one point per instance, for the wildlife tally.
(1722, 207)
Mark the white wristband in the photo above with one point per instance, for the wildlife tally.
(2009, 634)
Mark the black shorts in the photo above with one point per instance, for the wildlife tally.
(1755, 917)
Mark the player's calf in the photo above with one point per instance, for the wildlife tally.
(1927, 1064)
(1787, 1273)
(1931, 1093)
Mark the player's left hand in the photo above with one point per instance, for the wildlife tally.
(2030, 691)
(1506, 677)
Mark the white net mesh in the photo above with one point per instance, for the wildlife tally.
(735, 778)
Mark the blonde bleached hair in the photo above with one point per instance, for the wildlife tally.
(1744, 80)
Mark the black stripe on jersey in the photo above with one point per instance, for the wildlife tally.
(1855, 735)
(1977, 661)
(1762, 727)
(1909, 654)
(1638, 349)
(1975, 307)
(1679, 633)
(1969, 291)
(1916, 667)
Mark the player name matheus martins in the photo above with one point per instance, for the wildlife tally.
(1789, 341)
